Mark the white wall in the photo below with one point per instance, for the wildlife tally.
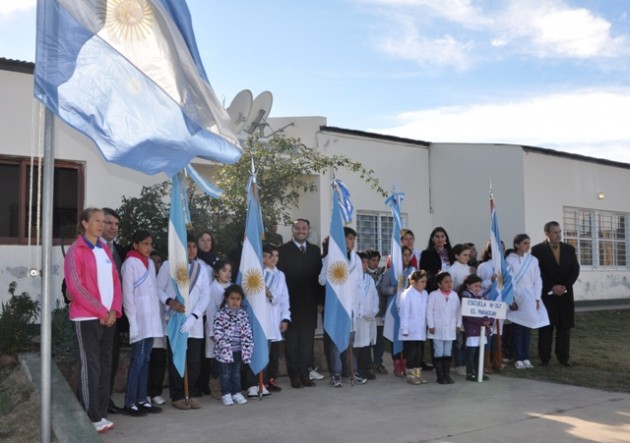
(460, 183)
(554, 182)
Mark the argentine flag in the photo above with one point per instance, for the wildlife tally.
(178, 266)
(502, 288)
(251, 278)
(127, 74)
(339, 282)
(392, 317)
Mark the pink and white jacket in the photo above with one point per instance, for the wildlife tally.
(82, 281)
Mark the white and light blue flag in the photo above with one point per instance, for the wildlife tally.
(179, 270)
(392, 317)
(502, 288)
(339, 282)
(251, 278)
(128, 75)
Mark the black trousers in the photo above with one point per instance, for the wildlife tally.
(193, 366)
(95, 343)
(563, 343)
(298, 349)
(414, 353)
(157, 369)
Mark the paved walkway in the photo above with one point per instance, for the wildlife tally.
(389, 410)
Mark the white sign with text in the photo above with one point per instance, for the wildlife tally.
(473, 307)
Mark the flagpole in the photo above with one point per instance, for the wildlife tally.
(46, 274)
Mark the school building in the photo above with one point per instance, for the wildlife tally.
(445, 184)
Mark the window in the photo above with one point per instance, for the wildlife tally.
(599, 237)
(374, 230)
(16, 200)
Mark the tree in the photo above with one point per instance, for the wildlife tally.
(285, 169)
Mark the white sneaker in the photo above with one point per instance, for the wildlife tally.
(227, 400)
(314, 375)
(519, 364)
(528, 364)
(238, 398)
(103, 425)
(158, 400)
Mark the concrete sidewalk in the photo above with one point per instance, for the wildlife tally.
(390, 410)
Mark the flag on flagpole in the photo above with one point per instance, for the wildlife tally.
(502, 288)
(250, 277)
(128, 75)
(339, 282)
(392, 318)
(178, 266)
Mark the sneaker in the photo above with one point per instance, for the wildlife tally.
(461, 370)
(194, 403)
(314, 375)
(227, 400)
(252, 392)
(148, 407)
(358, 380)
(158, 400)
(471, 377)
(133, 410)
(238, 398)
(272, 385)
(103, 425)
(181, 404)
(335, 381)
(519, 364)
(528, 364)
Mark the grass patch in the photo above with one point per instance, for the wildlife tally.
(600, 352)
(19, 406)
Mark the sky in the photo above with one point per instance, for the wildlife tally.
(546, 73)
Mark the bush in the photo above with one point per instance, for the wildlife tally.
(16, 322)
(64, 343)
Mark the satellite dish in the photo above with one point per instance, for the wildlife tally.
(239, 110)
(260, 112)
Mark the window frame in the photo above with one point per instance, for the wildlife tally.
(617, 241)
(379, 228)
(24, 164)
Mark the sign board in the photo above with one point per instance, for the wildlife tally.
(473, 307)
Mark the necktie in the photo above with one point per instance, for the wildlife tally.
(302, 249)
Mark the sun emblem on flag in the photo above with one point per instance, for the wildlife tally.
(401, 279)
(253, 281)
(338, 272)
(127, 19)
(181, 274)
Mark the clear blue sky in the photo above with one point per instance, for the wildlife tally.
(549, 73)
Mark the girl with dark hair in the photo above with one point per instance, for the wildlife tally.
(437, 257)
(143, 308)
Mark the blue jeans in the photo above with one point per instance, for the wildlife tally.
(459, 349)
(231, 375)
(521, 338)
(138, 373)
(442, 348)
(339, 360)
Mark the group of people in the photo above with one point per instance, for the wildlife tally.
(103, 281)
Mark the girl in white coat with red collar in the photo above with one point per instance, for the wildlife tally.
(444, 322)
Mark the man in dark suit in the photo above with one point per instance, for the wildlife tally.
(301, 263)
(559, 269)
(110, 232)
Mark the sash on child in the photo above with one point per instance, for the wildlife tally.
(141, 279)
(521, 272)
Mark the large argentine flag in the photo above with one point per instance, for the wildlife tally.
(502, 288)
(127, 74)
(178, 266)
(392, 317)
(339, 284)
(250, 277)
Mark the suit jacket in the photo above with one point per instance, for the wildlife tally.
(561, 309)
(301, 270)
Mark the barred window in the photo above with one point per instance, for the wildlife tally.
(599, 237)
(374, 230)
